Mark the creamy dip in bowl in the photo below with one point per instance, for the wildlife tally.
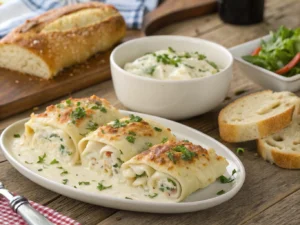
(171, 94)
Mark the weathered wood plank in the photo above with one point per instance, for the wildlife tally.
(82, 212)
(284, 212)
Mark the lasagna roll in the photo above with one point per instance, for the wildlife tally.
(58, 130)
(107, 148)
(174, 170)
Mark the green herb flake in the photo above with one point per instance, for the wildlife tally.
(240, 150)
(221, 192)
(150, 70)
(17, 136)
(101, 187)
(69, 102)
(116, 165)
(132, 133)
(84, 183)
(172, 181)
(120, 160)
(92, 126)
(102, 131)
(118, 124)
(130, 139)
(65, 181)
(164, 140)
(62, 149)
(233, 172)
(134, 118)
(54, 135)
(128, 198)
(28, 162)
(186, 153)
(212, 64)
(60, 167)
(201, 57)
(65, 172)
(157, 129)
(171, 157)
(185, 140)
(149, 144)
(189, 66)
(54, 161)
(42, 159)
(78, 103)
(225, 180)
(153, 195)
(140, 175)
(40, 170)
(171, 49)
(77, 114)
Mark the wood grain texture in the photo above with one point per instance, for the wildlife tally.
(270, 195)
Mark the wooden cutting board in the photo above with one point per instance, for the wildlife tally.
(19, 92)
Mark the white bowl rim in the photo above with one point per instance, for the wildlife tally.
(261, 69)
(220, 73)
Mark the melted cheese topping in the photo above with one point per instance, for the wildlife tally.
(171, 65)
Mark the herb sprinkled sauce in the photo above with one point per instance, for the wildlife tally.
(172, 65)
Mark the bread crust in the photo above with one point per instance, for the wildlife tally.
(236, 132)
(65, 48)
(287, 160)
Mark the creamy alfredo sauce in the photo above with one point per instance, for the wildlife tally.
(172, 65)
(79, 177)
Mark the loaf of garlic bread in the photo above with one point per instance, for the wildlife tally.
(60, 38)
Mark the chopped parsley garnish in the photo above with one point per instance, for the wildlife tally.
(102, 131)
(164, 140)
(188, 66)
(134, 118)
(77, 114)
(233, 172)
(118, 124)
(40, 170)
(201, 56)
(171, 49)
(225, 180)
(54, 161)
(69, 102)
(162, 188)
(101, 187)
(212, 64)
(59, 106)
(240, 150)
(28, 162)
(128, 198)
(64, 172)
(116, 165)
(185, 140)
(100, 107)
(150, 70)
(221, 192)
(17, 136)
(140, 175)
(42, 158)
(171, 157)
(165, 59)
(92, 126)
(120, 160)
(172, 181)
(78, 103)
(186, 153)
(60, 167)
(65, 181)
(158, 129)
(84, 183)
(149, 144)
(187, 55)
(153, 195)
(132, 133)
(54, 135)
(130, 139)
(62, 149)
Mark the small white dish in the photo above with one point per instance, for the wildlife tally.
(199, 200)
(259, 75)
(179, 99)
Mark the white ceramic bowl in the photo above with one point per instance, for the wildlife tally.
(170, 99)
(259, 75)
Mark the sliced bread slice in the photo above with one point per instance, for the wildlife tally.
(257, 115)
(282, 148)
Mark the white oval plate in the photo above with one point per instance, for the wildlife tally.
(199, 200)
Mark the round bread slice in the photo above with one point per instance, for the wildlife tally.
(257, 115)
(282, 148)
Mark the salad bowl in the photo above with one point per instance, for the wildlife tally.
(260, 75)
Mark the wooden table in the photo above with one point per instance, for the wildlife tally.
(270, 195)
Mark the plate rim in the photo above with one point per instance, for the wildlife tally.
(180, 207)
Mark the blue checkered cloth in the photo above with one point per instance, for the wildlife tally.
(16, 12)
